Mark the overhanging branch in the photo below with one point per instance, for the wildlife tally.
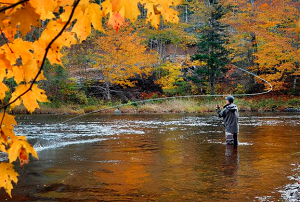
(45, 55)
(12, 5)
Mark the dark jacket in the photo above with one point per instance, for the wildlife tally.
(231, 117)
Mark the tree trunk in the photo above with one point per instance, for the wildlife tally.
(108, 96)
(160, 50)
(295, 83)
(212, 84)
(252, 57)
(295, 77)
(164, 52)
(175, 52)
(123, 97)
(186, 13)
(252, 4)
(254, 47)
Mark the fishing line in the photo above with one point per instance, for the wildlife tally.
(184, 96)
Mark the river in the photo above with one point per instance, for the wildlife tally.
(150, 157)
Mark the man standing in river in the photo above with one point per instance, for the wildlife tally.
(230, 116)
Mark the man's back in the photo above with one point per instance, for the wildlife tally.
(230, 116)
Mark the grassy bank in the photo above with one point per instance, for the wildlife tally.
(199, 105)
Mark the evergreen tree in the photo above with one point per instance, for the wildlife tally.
(211, 51)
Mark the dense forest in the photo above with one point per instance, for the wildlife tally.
(192, 57)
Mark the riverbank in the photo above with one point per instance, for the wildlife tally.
(171, 106)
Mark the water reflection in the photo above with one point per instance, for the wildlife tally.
(231, 162)
(128, 174)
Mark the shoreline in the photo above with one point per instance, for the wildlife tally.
(68, 111)
(167, 107)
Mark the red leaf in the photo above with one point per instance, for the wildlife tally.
(116, 21)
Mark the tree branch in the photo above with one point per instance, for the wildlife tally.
(12, 6)
(7, 43)
(4, 111)
(45, 55)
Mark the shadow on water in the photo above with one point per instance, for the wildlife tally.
(157, 158)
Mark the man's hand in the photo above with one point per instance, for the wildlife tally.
(217, 106)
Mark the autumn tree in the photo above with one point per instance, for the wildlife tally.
(121, 58)
(66, 22)
(265, 39)
(212, 39)
(170, 34)
(170, 77)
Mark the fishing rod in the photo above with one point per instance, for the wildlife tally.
(183, 96)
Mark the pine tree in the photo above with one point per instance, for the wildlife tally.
(211, 40)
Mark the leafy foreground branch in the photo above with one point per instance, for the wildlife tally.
(36, 30)
(18, 146)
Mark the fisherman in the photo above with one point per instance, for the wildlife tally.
(230, 116)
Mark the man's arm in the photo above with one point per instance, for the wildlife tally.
(222, 113)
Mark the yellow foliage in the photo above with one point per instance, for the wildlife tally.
(2, 148)
(20, 148)
(156, 9)
(7, 176)
(131, 11)
(3, 91)
(121, 57)
(25, 23)
(30, 98)
(17, 49)
(7, 127)
(4, 66)
(90, 14)
(266, 35)
(26, 73)
(173, 74)
(44, 8)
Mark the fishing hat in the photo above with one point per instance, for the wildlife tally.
(230, 98)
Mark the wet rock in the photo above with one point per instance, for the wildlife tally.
(291, 193)
(118, 111)
(3, 156)
(291, 110)
(60, 189)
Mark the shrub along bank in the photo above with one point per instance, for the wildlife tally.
(200, 105)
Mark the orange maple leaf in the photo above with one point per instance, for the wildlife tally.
(30, 98)
(7, 126)
(7, 176)
(21, 149)
(25, 17)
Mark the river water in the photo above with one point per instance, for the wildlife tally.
(171, 157)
